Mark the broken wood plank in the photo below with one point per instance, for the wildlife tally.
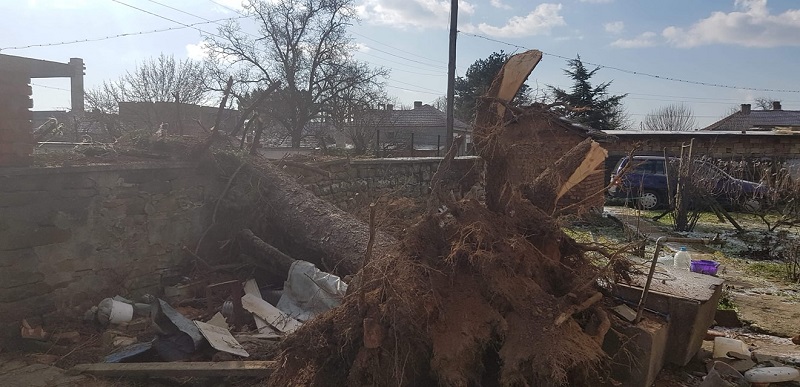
(251, 287)
(514, 73)
(272, 315)
(192, 369)
(221, 339)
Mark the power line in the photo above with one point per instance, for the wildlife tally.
(226, 7)
(395, 48)
(165, 18)
(197, 16)
(50, 87)
(632, 72)
(416, 91)
(419, 87)
(123, 35)
(396, 62)
(401, 57)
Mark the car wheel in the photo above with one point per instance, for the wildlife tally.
(649, 200)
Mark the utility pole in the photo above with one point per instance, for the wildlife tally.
(451, 72)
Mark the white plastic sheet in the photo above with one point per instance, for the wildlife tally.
(309, 291)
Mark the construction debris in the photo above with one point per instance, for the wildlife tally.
(272, 315)
(221, 339)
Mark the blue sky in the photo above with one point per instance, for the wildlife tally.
(736, 43)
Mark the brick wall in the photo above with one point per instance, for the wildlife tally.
(70, 237)
(726, 146)
(539, 143)
(16, 137)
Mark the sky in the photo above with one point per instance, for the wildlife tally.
(710, 55)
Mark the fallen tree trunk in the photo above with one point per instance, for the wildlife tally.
(286, 215)
(267, 257)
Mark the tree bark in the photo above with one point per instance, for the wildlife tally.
(269, 258)
(301, 224)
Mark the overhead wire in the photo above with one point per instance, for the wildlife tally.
(640, 73)
(109, 37)
(165, 18)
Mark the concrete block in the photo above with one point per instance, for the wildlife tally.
(637, 351)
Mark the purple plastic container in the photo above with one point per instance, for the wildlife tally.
(704, 266)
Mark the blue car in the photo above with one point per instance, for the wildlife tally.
(646, 182)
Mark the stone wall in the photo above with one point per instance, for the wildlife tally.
(354, 183)
(72, 236)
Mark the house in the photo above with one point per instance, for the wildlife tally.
(423, 128)
(759, 120)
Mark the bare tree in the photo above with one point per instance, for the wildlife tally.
(155, 80)
(673, 118)
(354, 113)
(763, 103)
(304, 46)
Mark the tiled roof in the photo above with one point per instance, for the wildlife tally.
(757, 119)
(421, 116)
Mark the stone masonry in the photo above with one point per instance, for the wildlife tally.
(71, 236)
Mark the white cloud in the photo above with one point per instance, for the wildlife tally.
(499, 4)
(197, 51)
(597, 1)
(361, 47)
(58, 4)
(410, 13)
(646, 39)
(750, 25)
(614, 27)
(540, 21)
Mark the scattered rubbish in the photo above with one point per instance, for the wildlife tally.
(29, 332)
(272, 315)
(123, 341)
(114, 312)
(251, 288)
(246, 337)
(771, 374)
(221, 339)
(218, 320)
(129, 353)
(625, 312)
(309, 291)
(178, 336)
(192, 369)
(712, 334)
(704, 266)
(723, 345)
(682, 259)
(742, 365)
(66, 338)
(723, 375)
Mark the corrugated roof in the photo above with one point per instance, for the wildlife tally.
(757, 119)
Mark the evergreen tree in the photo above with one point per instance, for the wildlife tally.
(476, 81)
(595, 108)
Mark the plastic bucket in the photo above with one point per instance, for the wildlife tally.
(704, 266)
(118, 312)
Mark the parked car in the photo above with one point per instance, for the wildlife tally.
(646, 181)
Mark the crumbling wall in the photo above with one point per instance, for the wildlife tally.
(354, 183)
(70, 237)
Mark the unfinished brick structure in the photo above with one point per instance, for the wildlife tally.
(16, 138)
(553, 137)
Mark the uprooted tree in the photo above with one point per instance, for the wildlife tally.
(473, 294)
